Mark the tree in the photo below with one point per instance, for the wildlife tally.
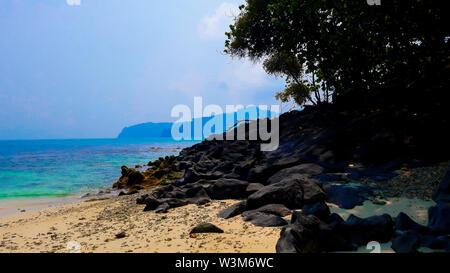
(397, 51)
(299, 87)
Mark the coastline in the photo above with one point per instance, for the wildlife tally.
(94, 226)
(15, 206)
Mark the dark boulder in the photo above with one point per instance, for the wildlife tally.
(312, 190)
(275, 209)
(197, 195)
(404, 223)
(293, 192)
(360, 231)
(319, 209)
(174, 203)
(347, 196)
(141, 200)
(288, 193)
(134, 177)
(308, 169)
(334, 219)
(221, 189)
(408, 242)
(163, 208)
(262, 219)
(206, 228)
(233, 210)
(151, 203)
(303, 235)
(253, 187)
(439, 218)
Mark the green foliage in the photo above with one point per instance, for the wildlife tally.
(349, 47)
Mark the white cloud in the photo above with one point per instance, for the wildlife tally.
(214, 26)
(243, 75)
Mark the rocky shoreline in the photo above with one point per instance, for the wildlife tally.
(324, 157)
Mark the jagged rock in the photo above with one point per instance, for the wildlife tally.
(408, 242)
(163, 208)
(275, 209)
(141, 200)
(439, 218)
(221, 189)
(319, 209)
(305, 169)
(197, 195)
(206, 228)
(347, 196)
(253, 187)
(293, 192)
(404, 223)
(360, 231)
(233, 210)
(174, 203)
(288, 193)
(443, 192)
(302, 236)
(151, 203)
(434, 242)
(262, 219)
(334, 219)
(312, 189)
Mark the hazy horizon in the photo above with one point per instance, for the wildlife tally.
(87, 71)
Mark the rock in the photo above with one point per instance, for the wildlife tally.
(262, 219)
(173, 202)
(408, 242)
(122, 193)
(134, 177)
(197, 195)
(439, 218)
(434, 242)
(360, 231)
(306, 169)
(334, 219)
(319, 209)
(312, 190)
(288, 193)
(206, 228)
(275, 209)
(292, 192)
(121, 235)
(151, 203)
(404, 223)
(443, 192)
(302, 236)
(227, 189)
(163, 208)
(141, 200)
(233, 210)
(347, 196)
(253, 187)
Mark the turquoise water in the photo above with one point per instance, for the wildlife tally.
(37, 168)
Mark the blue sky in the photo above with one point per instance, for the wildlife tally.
(88, 70)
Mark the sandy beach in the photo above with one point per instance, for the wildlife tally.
(92, 226)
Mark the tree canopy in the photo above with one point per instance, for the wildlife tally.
(347, 48)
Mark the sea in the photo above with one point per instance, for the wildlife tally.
(68, 167)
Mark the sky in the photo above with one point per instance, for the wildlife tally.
(88, 68)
